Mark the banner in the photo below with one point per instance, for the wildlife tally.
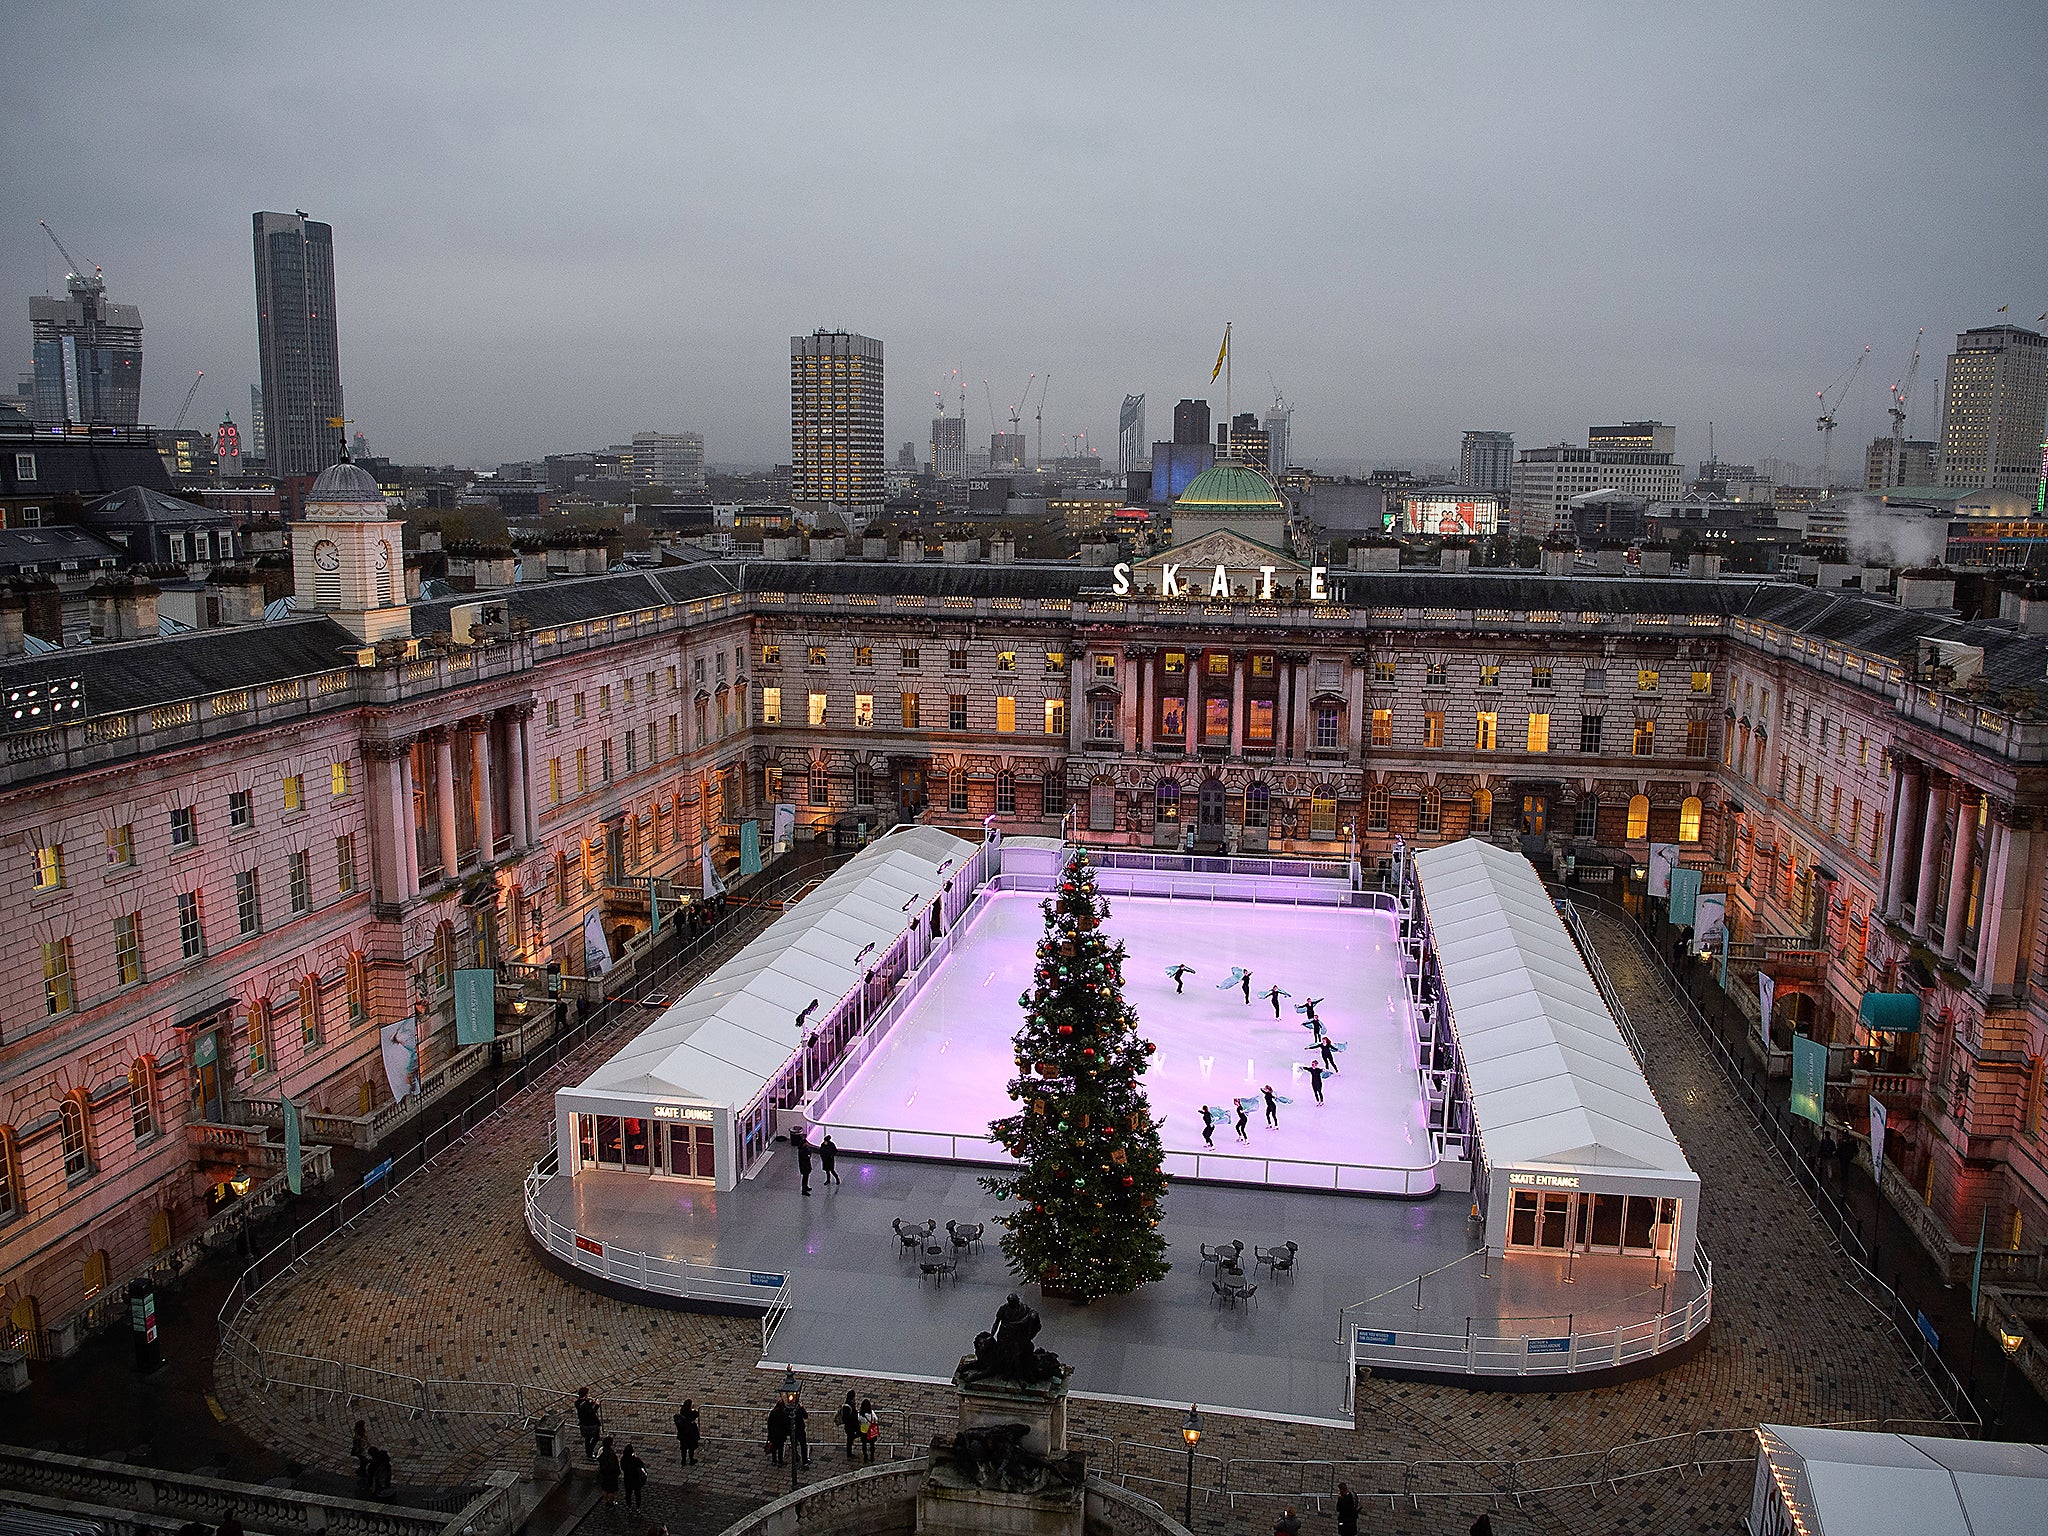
(1663, 859)
(1710, 921)
(1809, 1077)
(1877, 1139)
(294, 1155)
(1767, 993)
(401, 1042)
(785, 827)
(750, 847)
(476, 1007)
(1685, 895)
(597, 954)
(713, 886)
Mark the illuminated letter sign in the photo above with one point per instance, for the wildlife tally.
(1123, 580)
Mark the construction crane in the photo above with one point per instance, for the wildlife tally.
(1901, 394)
(1041, 419)
(1826, 420)
(75, 275)
(180, 422)
(993, 424)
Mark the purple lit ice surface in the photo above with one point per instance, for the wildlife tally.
(941, 1071)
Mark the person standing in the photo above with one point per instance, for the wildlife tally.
(1245, 980)
(799, 1435)
(687, 1431)
(870, 1429)
(1328, 1050)
(828, 1158)
(1315, 1080)
(380, 1470)
(1208, 1127)
(608, 1472)
(848, 1420)
(1244, 1116)
(1273, 994)
(1272, 1107)
(778, 1430)
(633, 1474)
(1289, 1524)
(1347, 1511)
(587, 1420)
(803, 1156)
(1180, 974)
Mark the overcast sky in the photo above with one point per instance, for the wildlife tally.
(556, 225)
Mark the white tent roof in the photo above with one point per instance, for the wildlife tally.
(1553, 1084)
(726, 1040)
(1877, 1484)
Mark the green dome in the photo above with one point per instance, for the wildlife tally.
(1230, 484)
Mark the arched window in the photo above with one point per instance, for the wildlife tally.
(1378, 803)
(1482, 809)
(309, 1012)
(357, 971)
(820, 785)
(956, 790)
(1166, 800)
(10, 1175)
(1006, 793)
(1101, 805)
(1638, 817)
(95, 1273)
(256, 1027)
(1322, 813)
(1258, 805)
(1432, 812)
(441, 966)
(142, 1098)
(1689, 820)
(74, 1130)
(384, 577)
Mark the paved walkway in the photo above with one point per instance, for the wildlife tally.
(439, 1282)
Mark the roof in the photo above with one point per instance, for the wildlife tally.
(1901, 1485)
(41, 551)
(1553, 1084)
(1228, 483)
(135, 674)
(737, 1029)
(144, 504)
(81, 465)
(345, 482)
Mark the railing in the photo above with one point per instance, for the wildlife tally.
(1599, 972)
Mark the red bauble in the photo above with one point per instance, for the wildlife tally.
(1129, 1181)
(1066, 1029)
(1150, 1048)
(1087, 1050)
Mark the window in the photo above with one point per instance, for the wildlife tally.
(1589, 733)
(1646, 680)
(910, 711)
(120, 846)
(1431, 818)
(1105, 668)
(1055, 661)
(294, 792)
(1326, 727)
(863, 656)
(1173, 663)
(604, 760)
(820, 785)
(554, 713)
(1055, 717)
(863, 711)
(1006, 661)
(256, 1028)
(184, 827)
(1695, 738)
(1638, 817)
(1539, 733)
(956, 711)
(604, 698)
(50, 867)
(956, 791)
(672, 672)
(1322, 814)
(309, 1012)
(1485, 731)
(771, 655)
(73, 1134)
(337, 780)
(1218, 663)
(1644, 742)
(1596, 680)
(178, 548)
(632, 751)
(345, 864)
(1437, 674)
(248, 903)
(1482, 809)
(128, 949)
(908, 660)
(697, 668)
(57, 993)
(956, 660)
(356, 979)
(816, 713)
(24, 466)
(1055, 791)
(1586, 817)
(1433, 728)
(1258, 805)
(1166, 800)
(1489, 674)
(1377, 803)
(1103, 726)
(142, 1099)
(1006, 714)
(814, 654)
(1006, 793)
(1383, 727)
(241, 810)
(863, 784)
(1258, 721)
(771, 706)
(1689, 819)
(1539, 676)
(1383, 670)
(629, 693)
(1702, 680)
(578, 707)
(300, 866)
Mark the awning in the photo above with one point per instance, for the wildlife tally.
(1895, 1012)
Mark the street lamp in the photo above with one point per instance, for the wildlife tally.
(2010, 1344)
(1190, 1431)
(790, 1388)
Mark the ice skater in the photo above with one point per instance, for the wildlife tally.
(1245, 979)
(1179, 973)
(1208, 1127)
(1238, 977)
(1315, 1080)
(1273, 994)
(1272, 1107)
(1307, 1007)
(1244, 1117)
(1327, 1048)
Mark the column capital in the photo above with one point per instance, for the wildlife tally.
(521, 711)
(390, 750)
(479, 722)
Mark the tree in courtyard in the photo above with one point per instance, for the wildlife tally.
(1087, 1195)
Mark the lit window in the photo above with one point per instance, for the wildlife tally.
(1689, 819)
(771, 706)
(1055, 717)
(1638, 817)
(294, 792)
(863, 711)
(604, 699)
(1489, 674)
(1322, 814)
(309, 1012)
(50, 867)
(257, 1027)
(1539, 677)
(1383, 670)
(1166, 800)
(910, 711)
(816, 655)
(817, 709)
(1218, 663)
(1006, 714)
(1433, 728)
(1437, 674)
(1055, 661)
(120, 846)
(1105, 666)
(338, 779)
(554, 713)
(1702, 681)
(57, 992)
(1383, 727)
(1644, 742)
(1539, 733)
(1646, 679)
(1485, 731)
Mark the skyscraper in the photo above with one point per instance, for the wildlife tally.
(1279, 424)
(1485, 458)
(88, 355)
(298, 343)
(949, 446)
(1130, 434)
(671, 459)
(1994, 409)
(257, 448)
(1243, 440)
(835, 421)
(1191, 423)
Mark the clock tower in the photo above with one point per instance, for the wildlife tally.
(348, 556)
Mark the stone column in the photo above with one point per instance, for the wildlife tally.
(2004, 903)
(395, 875)
(1237, 666)
(1077, 703)
(480, 776)
(1298, 742)
(444, 799)
(1354, 728)
(1930, 856)
(520, 782)
(1905, 808)
(408, 822)
(1961, 863)
(1126, 705)
(1148, 698)
(1194, 736)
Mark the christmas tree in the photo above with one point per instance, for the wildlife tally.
(1088, 1193)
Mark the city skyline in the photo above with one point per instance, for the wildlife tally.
(1581, 294)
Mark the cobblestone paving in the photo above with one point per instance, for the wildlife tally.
(439, 1283)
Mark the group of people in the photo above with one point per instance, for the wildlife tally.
(373, 1463)
(625, 1472)
(828, 1158)
(1322, 1050)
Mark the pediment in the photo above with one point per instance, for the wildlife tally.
(1233, 551)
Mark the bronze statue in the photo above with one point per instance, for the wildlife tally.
(1008, 1350)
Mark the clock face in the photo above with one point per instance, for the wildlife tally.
(383, 557)
(327, 555)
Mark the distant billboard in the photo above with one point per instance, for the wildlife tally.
(1473, 516)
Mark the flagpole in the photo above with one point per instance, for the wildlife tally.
(1227, 361)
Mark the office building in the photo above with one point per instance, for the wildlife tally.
(298, 343)
(671, 459)
(1279, 424)
(1006, 451)
(1637, 459)
(1191, 423)
(949, 446)
(1485, 459)
(1244, 441)
(88, 356)
(258, 445)
(1888, 465)
(1994, 409)
(1130, 435)
(835, 421)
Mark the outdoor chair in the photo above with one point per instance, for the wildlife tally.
(964, 1234)
(909, 1235)
(936, 1266)
(1280, 1260)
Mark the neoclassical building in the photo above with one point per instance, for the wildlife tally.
(254, 850)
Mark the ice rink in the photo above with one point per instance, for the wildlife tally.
(932, 1084)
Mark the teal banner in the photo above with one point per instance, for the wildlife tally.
(1809, 1077)
(750, 847)
(1685, 895)
(294, 1157)
(476, 1007)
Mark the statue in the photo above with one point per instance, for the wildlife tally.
(1008, 1351)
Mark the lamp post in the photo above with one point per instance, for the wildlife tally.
(1190, 1431)
(790, 1389)
(2010, 1344)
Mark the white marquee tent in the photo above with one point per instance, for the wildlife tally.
(1832, 1481)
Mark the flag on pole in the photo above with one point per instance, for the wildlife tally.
(2003, 308)
(1221, 353)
